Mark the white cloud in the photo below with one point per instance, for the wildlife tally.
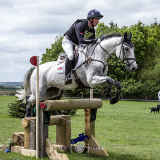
(28, 27)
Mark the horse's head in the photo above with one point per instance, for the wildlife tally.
(125, 52)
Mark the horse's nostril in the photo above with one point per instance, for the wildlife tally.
(133, 69)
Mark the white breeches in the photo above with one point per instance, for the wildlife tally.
(68, 47)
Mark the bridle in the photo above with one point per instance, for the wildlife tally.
(129, 44)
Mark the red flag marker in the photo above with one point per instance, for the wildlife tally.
(33, 60)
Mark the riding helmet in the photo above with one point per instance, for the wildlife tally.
(94, 14)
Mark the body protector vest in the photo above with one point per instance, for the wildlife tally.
(80, 32)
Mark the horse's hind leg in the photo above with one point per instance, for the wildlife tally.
(29, 99)
(49, 93)
(59, 96)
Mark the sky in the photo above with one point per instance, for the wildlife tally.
(28, 27)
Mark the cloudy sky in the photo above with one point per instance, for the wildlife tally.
(28, 27)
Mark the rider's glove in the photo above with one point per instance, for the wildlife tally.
(98, 40)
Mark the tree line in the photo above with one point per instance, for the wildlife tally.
(145, 82)
(4, 87)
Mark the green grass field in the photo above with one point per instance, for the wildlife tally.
(8, 89)
(127, 130)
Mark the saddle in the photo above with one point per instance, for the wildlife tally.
(63, 56)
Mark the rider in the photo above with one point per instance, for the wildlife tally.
(81, 32)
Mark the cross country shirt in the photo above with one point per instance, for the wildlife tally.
(80, 32)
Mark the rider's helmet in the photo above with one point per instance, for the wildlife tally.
(94, 14)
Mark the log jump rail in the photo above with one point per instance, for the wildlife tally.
(63, 130)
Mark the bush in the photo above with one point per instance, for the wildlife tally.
(17, 109)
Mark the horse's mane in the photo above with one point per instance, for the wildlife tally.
(110, 36)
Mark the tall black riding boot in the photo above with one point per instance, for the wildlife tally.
(68, 67)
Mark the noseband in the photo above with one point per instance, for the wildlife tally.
(130, 45)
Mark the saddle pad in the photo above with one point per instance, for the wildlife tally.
(60, 68)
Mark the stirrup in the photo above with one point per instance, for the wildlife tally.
(68, 80)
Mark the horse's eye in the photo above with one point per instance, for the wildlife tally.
(126, 49)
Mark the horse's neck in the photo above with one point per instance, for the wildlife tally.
(110, 45)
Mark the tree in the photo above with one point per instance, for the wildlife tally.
(146, 39)
(53, 52)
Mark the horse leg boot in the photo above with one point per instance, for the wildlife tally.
(68, 67)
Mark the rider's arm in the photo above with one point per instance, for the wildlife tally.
(84, 36)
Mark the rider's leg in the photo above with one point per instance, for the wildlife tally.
(68, 67)
(68, 48)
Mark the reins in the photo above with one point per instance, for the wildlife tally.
(89, 58)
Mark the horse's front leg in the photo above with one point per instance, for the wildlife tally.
(116, 98)
(100, 80)
(113, 82)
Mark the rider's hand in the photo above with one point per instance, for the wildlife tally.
(98, 40)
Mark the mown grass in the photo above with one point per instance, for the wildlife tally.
(127, 130)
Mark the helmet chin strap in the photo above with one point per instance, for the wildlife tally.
(91, 23)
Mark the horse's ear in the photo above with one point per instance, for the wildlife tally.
(125, 36)
(130, 35)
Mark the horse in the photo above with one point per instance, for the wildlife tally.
(90, 71)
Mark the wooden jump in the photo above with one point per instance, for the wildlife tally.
(73, 104)
(63, 130)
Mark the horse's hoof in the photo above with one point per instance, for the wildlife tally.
(118, 85)
(113, 100)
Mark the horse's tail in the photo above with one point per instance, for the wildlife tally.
(22, 93)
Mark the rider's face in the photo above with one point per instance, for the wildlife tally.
(95, 22)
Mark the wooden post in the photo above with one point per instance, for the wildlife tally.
(92, 124)
(18, 139)
(87, 125)
(43, 135)
(37, 110)
(32, 133)
(25, 124)
(63, 132)
(26, 138)
(91, 93)
(55, 120)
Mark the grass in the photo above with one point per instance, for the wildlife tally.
(127, 130)
(9, 89)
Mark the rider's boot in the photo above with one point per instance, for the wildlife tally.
(68, 67)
